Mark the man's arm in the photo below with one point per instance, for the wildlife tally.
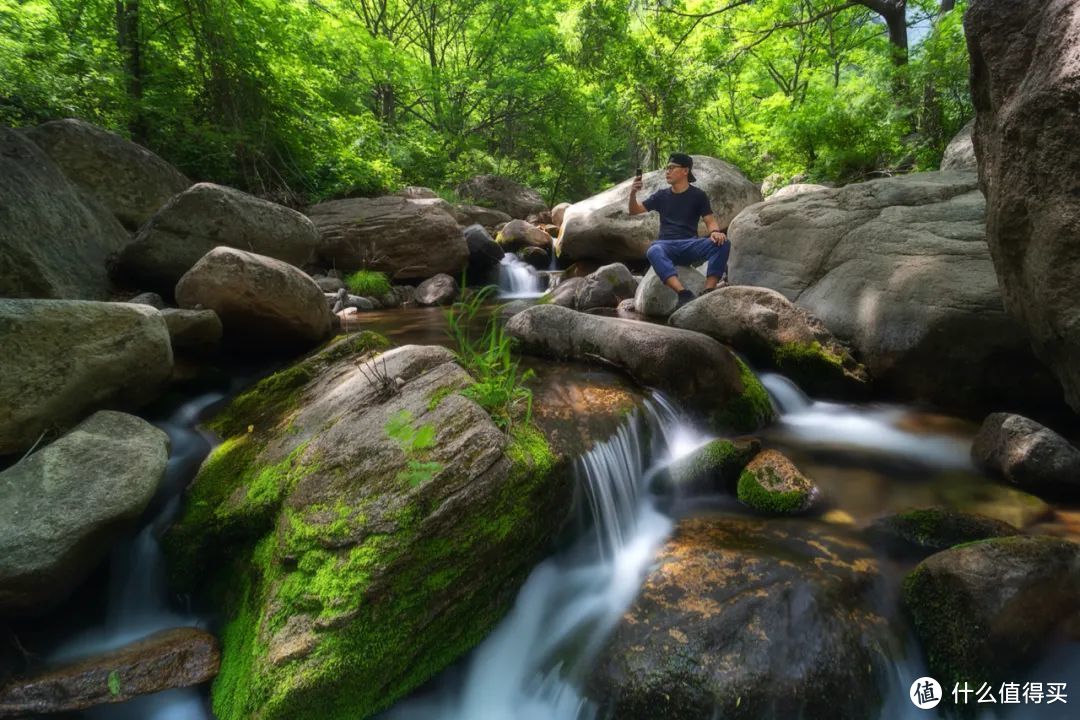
(636, 208)
(714, 227)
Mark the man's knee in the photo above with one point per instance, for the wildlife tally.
(655, 253)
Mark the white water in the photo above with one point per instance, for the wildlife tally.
(532, 665)
(518, 279)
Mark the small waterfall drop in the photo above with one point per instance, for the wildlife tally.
(518, 279)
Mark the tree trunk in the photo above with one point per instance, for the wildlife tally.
(894, 13)
(130, 46)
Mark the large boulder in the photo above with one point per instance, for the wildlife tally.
(54, 240)
(518, 234)
(606, 287)
(599, 228)
(960, 152)
(747, 619)
(775, 333)
(262, 302)
(1025, 79)
(476, 214)
(484, 256)
(898, 268)
(502, 193)
(655, 299)
(131, 181)
(206, 216)
(372, 526)
(63, 359)
(795, 189)
(168, 659)
(404, 238)
(1027, 454)
(691, 367)
(985, 610)
(62, 507)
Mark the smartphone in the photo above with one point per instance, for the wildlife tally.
(638, 173)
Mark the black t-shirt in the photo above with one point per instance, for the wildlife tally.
(679, 212)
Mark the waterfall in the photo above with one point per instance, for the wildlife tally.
(518, 279)
(532, 666)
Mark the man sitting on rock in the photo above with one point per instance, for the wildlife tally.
(680, 208)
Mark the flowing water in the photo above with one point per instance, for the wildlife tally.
(518, 279)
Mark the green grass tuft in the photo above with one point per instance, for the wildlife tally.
(368, 283)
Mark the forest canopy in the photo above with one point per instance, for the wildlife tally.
(300, 100)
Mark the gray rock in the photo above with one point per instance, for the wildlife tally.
(558, 212)
(960, 153)
(600, 229)
(65, 505)
(899, 270)
(484, 255)
(263, 303)
(518, 234)
(360, 303)
(775, 333)
(439, 290)
(1024, 86)
(416, 192)
(125, 177)
(1027, 454)
(749, 619)
(655, 299)
(329, 284)
(193, 331)
(692, 368)
(606, 287)
(149, 298)
(175, 658)
(513, 307)
(484, 216)
(405, 238)
(503, 194)
(41, 213)
(206, 216)
(984, 611)
(62, 359)
(795, 189)
(565, 293)
(535, 256)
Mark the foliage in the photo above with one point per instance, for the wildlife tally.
(499, 386)
(114, 683)
(413, 442)
(368, 283)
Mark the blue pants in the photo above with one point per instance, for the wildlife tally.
(664, 255)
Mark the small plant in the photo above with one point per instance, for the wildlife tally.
(114, 683)
(375, 372)
(499, 382)
(368, 283)
(414, 442)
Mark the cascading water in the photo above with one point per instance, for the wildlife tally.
(518, 279)
(532, 665)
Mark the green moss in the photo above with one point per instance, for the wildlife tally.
(796, 355)
(753, 492)
(748, 411)
(439, 395)
(368, 283)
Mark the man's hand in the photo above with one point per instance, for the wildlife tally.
(636, 185)
(634, 207)
(718, 236)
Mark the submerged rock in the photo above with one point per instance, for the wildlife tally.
(62, 507)
(928, 530)
(984, 610)
(167, 659)
(1027, 454)
(749, 619)
(772, 484)
(363, 524)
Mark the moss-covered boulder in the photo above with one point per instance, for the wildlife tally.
(713, 467)
(984, 610)
(749, 619)
(922, 531)
(362, 525)
(775, 333)
(772, 484)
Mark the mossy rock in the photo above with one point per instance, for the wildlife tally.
(772, 484)
(984, 610)
(927, 530)
(749, 410)
(714, 467)
(362, 525)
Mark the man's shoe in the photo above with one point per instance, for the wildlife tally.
(685, 296)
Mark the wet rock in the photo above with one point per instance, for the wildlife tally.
(691, 367)
(606, 287)
(149, 298)
(927, 530)
(775, 333)
(749, 619)
(655, 299)
(263, 303)
(65, 505)
(1027, 454)
(362, 525)
(503, 194)
(484, 256)
(960, 153)
(983, 611)
(408, 239)
(712, 468)
(518, 234)
(1024, 71)
(193, 331)
(168, 659)
(976, 495)
(770, 483)
(898, 268)
(63, 359)
(123, 176)
(565, 293)
(535, 256)
(40, 214)
(438, 290)
(600, 229)
(206, 216)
